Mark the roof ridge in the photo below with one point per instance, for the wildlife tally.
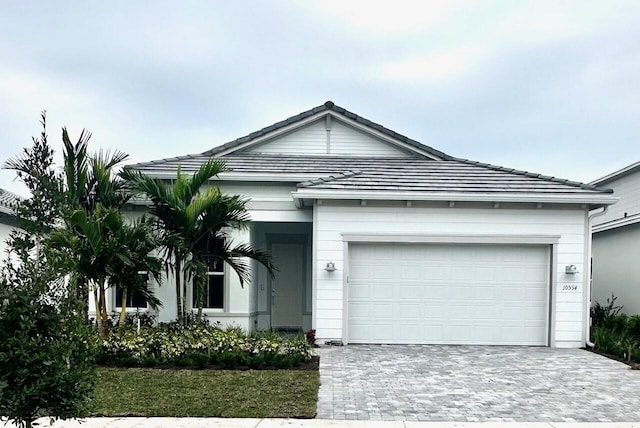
(543, 177)
(158, 161)
(329, 178)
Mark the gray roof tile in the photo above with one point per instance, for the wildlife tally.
(451, 174)
(8, 201)
(393, 174)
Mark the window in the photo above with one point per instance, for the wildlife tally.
(214, 288)
(134, 300)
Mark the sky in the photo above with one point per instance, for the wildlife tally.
(546, 86)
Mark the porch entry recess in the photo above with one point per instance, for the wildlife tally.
(288, 285)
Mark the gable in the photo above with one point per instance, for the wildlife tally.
(327, 136)
(626, 186)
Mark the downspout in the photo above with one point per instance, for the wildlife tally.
(590, 279)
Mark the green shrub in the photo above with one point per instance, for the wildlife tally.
(606, 341)
(45, 352)
(198, 345)
(600, 314)
(616, 323)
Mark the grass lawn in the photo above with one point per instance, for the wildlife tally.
(219, 393)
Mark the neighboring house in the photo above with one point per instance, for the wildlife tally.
(616, 242)
(381, 239)
(8, 221)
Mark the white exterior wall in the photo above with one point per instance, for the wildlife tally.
(6, 227)
(615, 250)
(627, 188)
(333, 219)
(238, 310)
(315, 139)
(345, 140)
(615, 267)
(268, 202)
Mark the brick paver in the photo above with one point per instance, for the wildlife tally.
(475, 383)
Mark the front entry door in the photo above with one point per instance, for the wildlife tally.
(286, 288)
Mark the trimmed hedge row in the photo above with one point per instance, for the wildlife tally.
(199, 345)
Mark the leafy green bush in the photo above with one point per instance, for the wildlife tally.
(619, 335)
(601, 313)
(607, 341)
(199, 345)
(45, 352)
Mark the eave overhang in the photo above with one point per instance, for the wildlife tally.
(616, 223)
(306, 196)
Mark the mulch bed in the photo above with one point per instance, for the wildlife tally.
(632, 364)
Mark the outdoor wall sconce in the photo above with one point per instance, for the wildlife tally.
(571, 270)
(330, 267)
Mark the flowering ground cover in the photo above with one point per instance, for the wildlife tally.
(198, 346)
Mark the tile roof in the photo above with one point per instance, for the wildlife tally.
(397, 174)
(7, 201)
(449, 174)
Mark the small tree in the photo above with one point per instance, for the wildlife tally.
(46, 351)
(140, 243)
(46, 345)
(193, 223)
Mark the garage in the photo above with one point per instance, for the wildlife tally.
(448, 294)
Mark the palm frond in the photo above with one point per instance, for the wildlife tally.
(211, 168)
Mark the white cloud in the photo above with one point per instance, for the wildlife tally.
(431, 67)
(383, 18)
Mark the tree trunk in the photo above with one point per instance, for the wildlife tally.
(197, 288)
(105, 315)
(179, 292)
(184, 295)
(123, 311)
(96, 299)
(102, 310)
(82, 294)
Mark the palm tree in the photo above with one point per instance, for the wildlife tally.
(85, 182)
(106, 251)
(139, 243)
(192, 220)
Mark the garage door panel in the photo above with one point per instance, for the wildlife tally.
(359, 291)
(459, 294)
(410, 292)
(360, 270)
(360, 312)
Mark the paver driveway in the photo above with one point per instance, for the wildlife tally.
(475, 383)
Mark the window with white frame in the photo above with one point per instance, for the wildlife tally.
(134, 300)
(213, 297)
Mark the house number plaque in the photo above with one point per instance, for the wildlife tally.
(570, 287)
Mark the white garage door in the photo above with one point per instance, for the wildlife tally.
(448, 294)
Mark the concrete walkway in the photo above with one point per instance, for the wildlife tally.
(305, 423)
(475, 383)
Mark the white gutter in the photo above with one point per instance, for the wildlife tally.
(597, 199)
(619, 222)
(590, 279)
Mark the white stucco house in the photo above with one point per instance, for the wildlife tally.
(616, 242)
(381, 239)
